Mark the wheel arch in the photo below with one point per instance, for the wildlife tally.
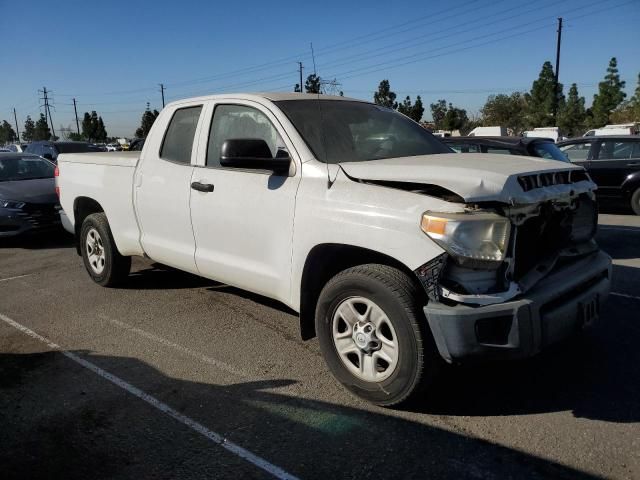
(325, 261)
(82, 208)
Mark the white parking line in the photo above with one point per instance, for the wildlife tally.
(625, 295)
(16, 277)
(163, 407)
(167, 343)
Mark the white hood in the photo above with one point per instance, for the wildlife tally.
(476, 177)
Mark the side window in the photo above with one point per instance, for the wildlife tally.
(464, 147)
(636, 150)
(578, 152)
(615, 150)
(238, 121)
(504, 151)
(178, 140)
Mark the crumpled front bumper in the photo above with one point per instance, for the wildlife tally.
(565, 301)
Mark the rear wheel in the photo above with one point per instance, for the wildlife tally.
(373, 334)
(635, 202)
(101, 258)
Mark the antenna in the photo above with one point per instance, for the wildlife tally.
(322, 139)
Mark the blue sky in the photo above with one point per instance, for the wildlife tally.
(112, 55)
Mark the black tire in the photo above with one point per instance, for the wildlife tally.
(115, 267)
(635, 202)
(401, 301)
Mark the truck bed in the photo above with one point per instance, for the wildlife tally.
(120, 159)
(106, 178)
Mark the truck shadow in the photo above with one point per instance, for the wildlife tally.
(62, 421)
(595, 375)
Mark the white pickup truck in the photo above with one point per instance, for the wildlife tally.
(396, 252)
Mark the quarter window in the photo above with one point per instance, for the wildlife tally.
(240, 122)
(178, 140)
(615, 150)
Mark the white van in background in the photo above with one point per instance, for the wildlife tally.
(620, 129)
(544, 132)
(489, 132)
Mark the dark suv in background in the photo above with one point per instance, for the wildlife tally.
(529, 146)
(613, 162)
(51, 150)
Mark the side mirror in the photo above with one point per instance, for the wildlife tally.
(253, 154)
(48, 156)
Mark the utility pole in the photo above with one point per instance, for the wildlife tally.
(300, 68)
(555, 89)
(162, 93)
(76, 112)
(15, 117)
(47, 111)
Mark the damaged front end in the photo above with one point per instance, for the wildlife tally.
(537, 238)
(535, 282)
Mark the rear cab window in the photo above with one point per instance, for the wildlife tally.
(178, 139)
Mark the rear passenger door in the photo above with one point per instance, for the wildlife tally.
(163, 188)
(613, 161)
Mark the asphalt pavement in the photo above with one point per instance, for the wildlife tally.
(175, 376)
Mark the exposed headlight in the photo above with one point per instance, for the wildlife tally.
(472, 239)
(11, 204)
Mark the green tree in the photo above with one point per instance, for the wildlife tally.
(438, 112)
(101, 132)
(413, 111)
(297, 88)
(505, 111)
(628, 111)
(41, 130)
(541, 98)
(75, 137)
(447, 117)
(406, 107)
(572, 117)
(313, 84)
(455, 118)
(384, 96)
(7, 134)
(29, 130)
(88, 127)
(148, 117)
(610, 95)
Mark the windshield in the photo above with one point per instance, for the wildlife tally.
(26, 167)
(357, 131)
(550, 151)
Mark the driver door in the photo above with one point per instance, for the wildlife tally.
(243, 224)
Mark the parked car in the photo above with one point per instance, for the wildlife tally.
(531, 146)
(51, 150)
(394, 249)
(28, 200)
(113, 147)
(16, 147)
(136, 145)
(613, 162)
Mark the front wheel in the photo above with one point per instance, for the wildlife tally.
(101, 258)
(373, 334)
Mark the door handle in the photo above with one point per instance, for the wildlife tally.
(633, 164)
(202, 187)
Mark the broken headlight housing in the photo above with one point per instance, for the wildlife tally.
(477, 240)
